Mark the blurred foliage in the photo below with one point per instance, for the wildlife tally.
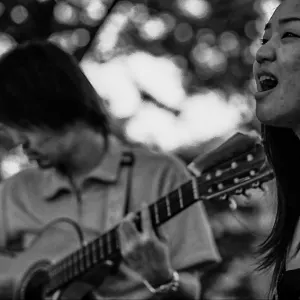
(213, 49)
(211, 40)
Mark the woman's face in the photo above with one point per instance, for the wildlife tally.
(277, 68)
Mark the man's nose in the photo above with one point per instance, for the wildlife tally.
(25, 145)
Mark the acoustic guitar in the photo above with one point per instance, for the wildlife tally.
(236, 165)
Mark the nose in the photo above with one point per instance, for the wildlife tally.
(266, 53)
(25, 145)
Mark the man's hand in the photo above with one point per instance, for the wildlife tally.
(254, 197)
(143, 252)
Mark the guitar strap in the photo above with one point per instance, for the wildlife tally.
(117, 209)
(2, 225)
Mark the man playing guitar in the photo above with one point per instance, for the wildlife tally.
(87, 177)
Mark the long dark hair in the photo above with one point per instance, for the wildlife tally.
(43, 86)
(282, 148)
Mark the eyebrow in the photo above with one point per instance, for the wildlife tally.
(284, 21)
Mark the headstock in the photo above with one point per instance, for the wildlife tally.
(236, 165)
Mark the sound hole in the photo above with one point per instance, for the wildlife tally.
(35, 286)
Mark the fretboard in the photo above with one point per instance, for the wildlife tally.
(107, 247)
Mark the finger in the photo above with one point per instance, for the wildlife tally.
(162, 236)
(128, 229)
(253, 192)
(128, 235)
(265, 186)
(129, 217)
(236, 201)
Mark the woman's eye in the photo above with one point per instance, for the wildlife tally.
(289, 34)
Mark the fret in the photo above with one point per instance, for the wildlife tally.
(195, 188)
(61, 274)
(108, 242)
(116, 237)
(114, 240)
(69, 267)
(76, 266)
(156, 215)
(101, 250)
(168, 206)
(180, 197)
(94, 252)
(53, 283)
(174, 203)
(55, 280)
(75, 263)
(87, 256)
(64, 272)
(81, 266)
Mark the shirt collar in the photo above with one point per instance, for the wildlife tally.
(106, 171)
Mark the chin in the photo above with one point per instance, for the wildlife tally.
(273, 120)
(44, 164)
(267, 114)
(264, 117)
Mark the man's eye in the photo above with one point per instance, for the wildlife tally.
(263, 41)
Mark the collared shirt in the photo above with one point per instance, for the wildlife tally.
(33, 198)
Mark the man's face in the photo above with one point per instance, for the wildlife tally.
(46, 147)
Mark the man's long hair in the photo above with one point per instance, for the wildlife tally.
(43, 86)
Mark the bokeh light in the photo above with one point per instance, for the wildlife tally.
(195, 8)
(153, 29)
(183, 32)
(19, 14)
(6, 43)
(95, 10)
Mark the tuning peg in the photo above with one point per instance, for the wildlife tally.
(256, 185)
(234, 165)
(109, 263)
(220, 186)
(218, 173)
(250, 157)
(240, 191)
(224, 197)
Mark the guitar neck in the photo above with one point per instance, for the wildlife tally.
(107, 246)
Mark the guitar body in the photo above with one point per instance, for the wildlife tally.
(25, 276)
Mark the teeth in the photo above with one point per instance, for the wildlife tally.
(267, 82)
(266, 77)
